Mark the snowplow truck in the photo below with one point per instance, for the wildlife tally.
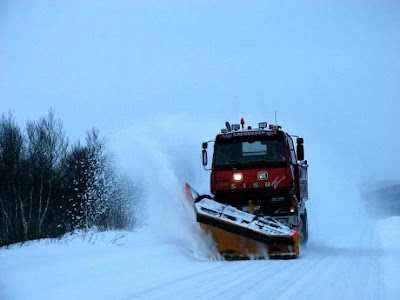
(259, 189)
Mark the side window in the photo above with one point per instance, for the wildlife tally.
(292, 151)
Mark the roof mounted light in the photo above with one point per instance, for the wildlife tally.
(242, 122)
(224, 130)
(262, 125)
(275, 127)
(235, 127)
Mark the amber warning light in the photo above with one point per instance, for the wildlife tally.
(242, 122)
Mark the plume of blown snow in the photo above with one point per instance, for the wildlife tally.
(164, 159)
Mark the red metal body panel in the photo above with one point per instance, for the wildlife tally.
(291, 177)
(277, 177)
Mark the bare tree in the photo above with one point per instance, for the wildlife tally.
(47, 189)
(11, 155)
(47, 146)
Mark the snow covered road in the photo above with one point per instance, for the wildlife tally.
(362, 264)
(352, 271)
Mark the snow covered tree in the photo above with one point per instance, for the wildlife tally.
(74, 185)
(97, 177)
(98, 197)
(107, 200)
(125, 205)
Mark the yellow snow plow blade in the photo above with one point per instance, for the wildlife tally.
(240, 235)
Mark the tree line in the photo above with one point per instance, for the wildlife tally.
(49, 187)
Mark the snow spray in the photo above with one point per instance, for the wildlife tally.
(164, 159)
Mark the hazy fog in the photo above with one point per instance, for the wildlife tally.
(166, 75)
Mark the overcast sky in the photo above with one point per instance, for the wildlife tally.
(331, 70)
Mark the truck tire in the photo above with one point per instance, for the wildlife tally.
(304, 228)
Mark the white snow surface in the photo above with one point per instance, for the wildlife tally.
(170, 257)
(362, 264)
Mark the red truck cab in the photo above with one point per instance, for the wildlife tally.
(259, 171)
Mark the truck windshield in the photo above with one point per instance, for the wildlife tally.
(245, 154)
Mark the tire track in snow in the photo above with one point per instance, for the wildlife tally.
(225, 281)
(172, 282)
(195, 284)
(350, 271)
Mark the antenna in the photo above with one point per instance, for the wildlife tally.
(236, 106)
(276, 119)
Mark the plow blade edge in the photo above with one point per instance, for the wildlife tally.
(241, 235)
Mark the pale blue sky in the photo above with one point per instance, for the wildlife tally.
(330, 68)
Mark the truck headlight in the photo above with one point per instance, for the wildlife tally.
(237, 176)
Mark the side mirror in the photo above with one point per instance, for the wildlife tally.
(204, 155)
(205, 144)
(300, 151)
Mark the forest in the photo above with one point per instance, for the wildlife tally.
(49, 186)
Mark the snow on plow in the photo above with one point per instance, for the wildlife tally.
(241, 235)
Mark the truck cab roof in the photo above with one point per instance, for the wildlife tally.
(244, 133)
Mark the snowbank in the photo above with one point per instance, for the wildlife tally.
(388, 231)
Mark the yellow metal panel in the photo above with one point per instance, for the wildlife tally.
(232, 245)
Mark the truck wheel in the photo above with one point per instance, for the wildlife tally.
(304, 229)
